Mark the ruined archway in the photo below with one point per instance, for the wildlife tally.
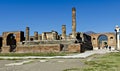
(9, 39)
(79, 39)
(102, 41)
(19, 36)
(109, 37)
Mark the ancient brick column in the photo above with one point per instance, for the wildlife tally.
(27, 34)
(73, 23)
(63, 31)
(35, 35)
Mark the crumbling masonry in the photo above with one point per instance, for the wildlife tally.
(50, 41)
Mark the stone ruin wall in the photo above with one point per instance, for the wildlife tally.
(44, 48)
(19, 37)
(111, 41)
(67, 45)
(50, 41)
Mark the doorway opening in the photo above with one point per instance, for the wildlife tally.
(102, 41)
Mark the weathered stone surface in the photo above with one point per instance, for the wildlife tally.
(63, 31)
(111, 39)
(34, 49)
(27, 34)
(44, 48)
(74, 48)
(48, 42)
(73, 23)
(5, 49)
(35, 35)
(19, 36)
(53, 35)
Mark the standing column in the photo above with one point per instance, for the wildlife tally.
(54, 37)
(27, 34)
(44, 37)
(118, 41)
(117, 34)
(35, 35)
(73, 23)
(63, 31)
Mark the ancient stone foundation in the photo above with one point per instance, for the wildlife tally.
(74, 48)
(44, 48)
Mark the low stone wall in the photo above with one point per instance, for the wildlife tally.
(74, 48)
(5, 49)
(34, 48)
(44, 48)
(39, 42)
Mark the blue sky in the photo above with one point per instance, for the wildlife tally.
(47, 15)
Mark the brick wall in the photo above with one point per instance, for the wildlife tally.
(43, 48)
(34, 49)
(74, 48)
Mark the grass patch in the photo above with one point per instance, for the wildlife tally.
(107, 62)
(32, 54)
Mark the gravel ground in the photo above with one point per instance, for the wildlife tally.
(41, 65)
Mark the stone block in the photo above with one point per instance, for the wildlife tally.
(74, 48)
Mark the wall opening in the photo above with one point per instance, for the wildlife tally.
(9, 39)
(93, 38)
(111, 37)
(79, 39)
(102, 41)
(0, 43)
(12, 42)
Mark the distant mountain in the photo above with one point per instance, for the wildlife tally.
(90, 32)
